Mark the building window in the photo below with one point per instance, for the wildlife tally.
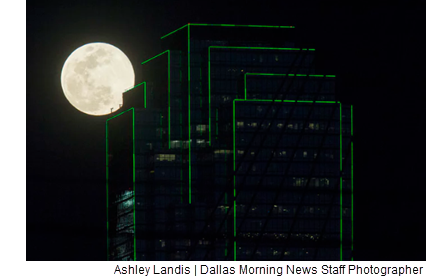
(165, 157)
(201, 128)
(201, 142)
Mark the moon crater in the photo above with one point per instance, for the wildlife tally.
(95, 76)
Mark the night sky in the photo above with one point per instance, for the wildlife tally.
(376, 51)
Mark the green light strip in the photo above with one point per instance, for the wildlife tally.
(210, 105)
(134, 180)
(150, 59)
(352, 123)
(144, 92)
(135, 86)
(172, 32)
(189, 113)
(352, 185)
(168, 88)
(235, 195)
(169, 111)
(134, 187)
(117, 115)
(244, 48)
(341, 189)
(227, 25)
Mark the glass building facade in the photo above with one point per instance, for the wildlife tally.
(231, 148)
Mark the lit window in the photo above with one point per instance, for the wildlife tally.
(165, 157)
(299, 182)
(201, 128)
(175, 144)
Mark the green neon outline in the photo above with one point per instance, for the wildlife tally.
(234, 150)
(156, 56)
(290, 101)
(235, 200)
(244, 48)
(352, 184)
(189, 113)
(172, 32)
(341, 188)
(134, 180)
(290, 75)
(168, 88)
(144, 92)
(227, 25)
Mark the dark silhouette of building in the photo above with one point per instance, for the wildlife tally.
(232, 148)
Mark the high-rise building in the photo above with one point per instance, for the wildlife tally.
(232, 148)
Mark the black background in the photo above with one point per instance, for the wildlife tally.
(376, 50)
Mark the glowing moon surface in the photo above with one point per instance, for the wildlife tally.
(95, 76)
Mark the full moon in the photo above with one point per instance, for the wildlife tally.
(95, 76)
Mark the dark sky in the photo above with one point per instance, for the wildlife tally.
(376, 51)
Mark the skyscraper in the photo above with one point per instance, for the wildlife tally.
(231, 148)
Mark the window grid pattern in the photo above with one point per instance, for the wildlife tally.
(300, 159)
